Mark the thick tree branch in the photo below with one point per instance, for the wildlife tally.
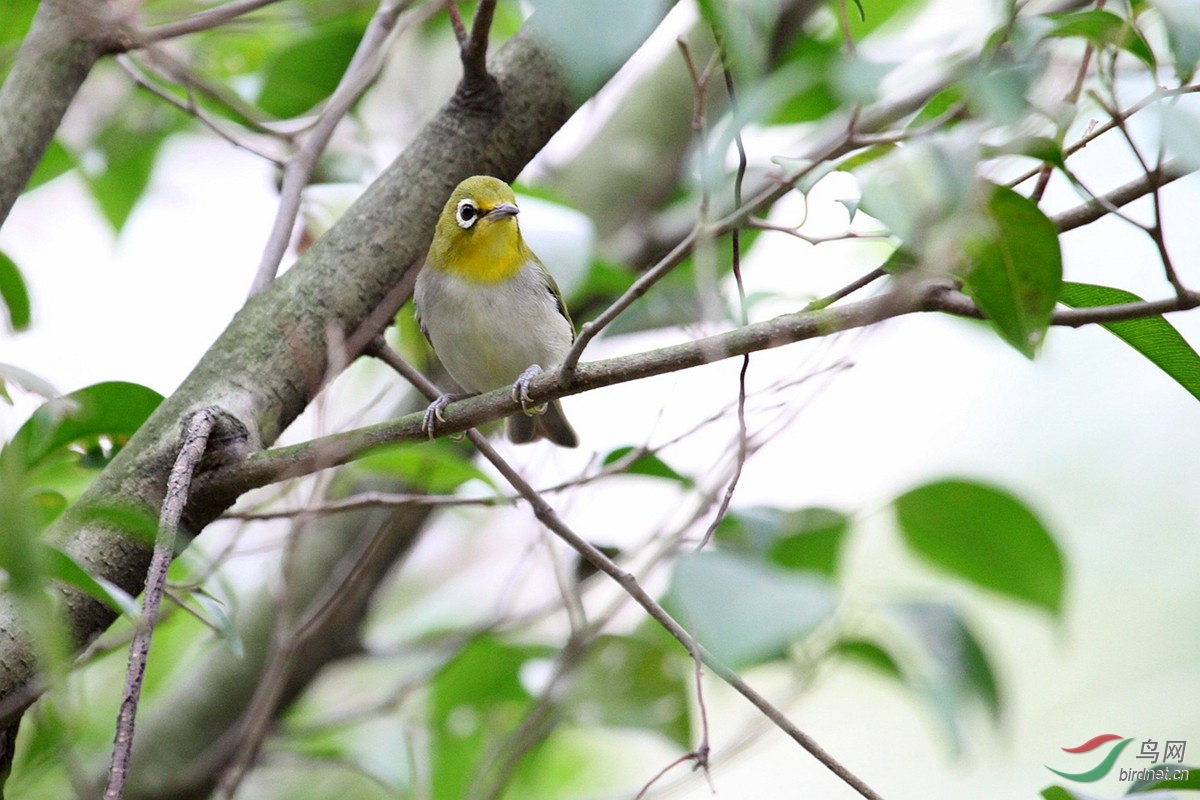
(67, 37)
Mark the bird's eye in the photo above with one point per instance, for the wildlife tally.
(467, 213)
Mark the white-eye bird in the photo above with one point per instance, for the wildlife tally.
(490, 309)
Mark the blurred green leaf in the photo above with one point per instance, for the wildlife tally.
(985, 535)
(1144, 785)
(57, 160)
(61, 567)
(811, 540)
(801, 83)
(1059, 793)
(1182, 18)
(646, 464)
(955, 671)
(438, 467)
(306, 72)
(1102, 29)
(114, 410)
(14, 294)
(634, 682)
(474, 702)
(119, 163)
(744, 611)
(15, 17)
(593, 39)
(872, 14)
(944, 102)
(1037, 147)
(1016, 270)
(870, 654)
(743, 27)
(1153, 337)
(801, 539)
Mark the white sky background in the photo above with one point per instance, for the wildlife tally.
(1100, 442)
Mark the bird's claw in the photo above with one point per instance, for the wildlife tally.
(433, 414)
(520, 390)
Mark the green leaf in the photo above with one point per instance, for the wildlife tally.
(876, 13)
(124, 154)
(646, 464)
(1182, 18)
(803, 539)
(743, 611)
(1168, 780)
(810, 539)
(57, 160)
(14, 294)
(62, 567)
(801, 85)
(1016, 270)
(437, 466)
(743, 27)
(869, 653)
(1059, 793)
(306, 72)
(1103, 28)
(114, 410)
(955, 671)
(475, 701)
(634, 682)
(1153, 337)
(938, 106)
(985, 535)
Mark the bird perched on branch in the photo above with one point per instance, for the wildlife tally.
(490, 309)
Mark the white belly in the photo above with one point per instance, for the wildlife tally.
(487, 334)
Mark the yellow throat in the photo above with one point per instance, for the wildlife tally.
(477, 235)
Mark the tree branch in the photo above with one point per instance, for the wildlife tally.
(200, 21)
(66, 38)
(178, 485)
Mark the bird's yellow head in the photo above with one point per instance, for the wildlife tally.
(477, 236)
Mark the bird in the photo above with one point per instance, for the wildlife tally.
(490, 309)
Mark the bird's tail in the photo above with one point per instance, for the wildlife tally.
(551, 423)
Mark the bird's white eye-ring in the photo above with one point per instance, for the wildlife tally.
(467, 213)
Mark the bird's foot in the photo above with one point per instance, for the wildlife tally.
(433, 414)
(520, 391)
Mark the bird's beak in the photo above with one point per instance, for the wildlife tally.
(503, 210)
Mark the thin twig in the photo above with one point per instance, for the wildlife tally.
(178, 486)
(190, 107)
(736, 248)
